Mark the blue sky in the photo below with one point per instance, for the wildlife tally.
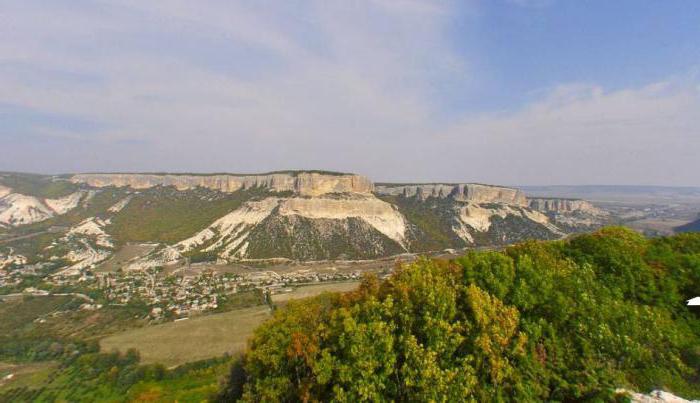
(501, 91)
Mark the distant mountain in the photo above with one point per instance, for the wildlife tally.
(693, 226)
(618, 193)
(293, 215)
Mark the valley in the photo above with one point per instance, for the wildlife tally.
(180, 269)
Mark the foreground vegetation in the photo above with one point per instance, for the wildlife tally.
(568, 320)
(51, 349)
(562, 320)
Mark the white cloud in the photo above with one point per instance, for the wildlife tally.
(584, 134)
(233, 86)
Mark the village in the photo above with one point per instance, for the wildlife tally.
(173, 294)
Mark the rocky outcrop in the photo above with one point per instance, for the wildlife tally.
(570, 214)
(301, 183)
(471, 192)
(557, 205)
(655, 396)
(19, 209)
(324, 218)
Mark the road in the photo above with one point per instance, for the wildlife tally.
(32, 235)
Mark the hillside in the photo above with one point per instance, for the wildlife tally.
(693, 226)
(584, 319)
(576, 320)
(74, 222)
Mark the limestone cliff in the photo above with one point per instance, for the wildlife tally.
(471, 192)
(570, 214)
(282, 219)
(301, 183)
(562, 205)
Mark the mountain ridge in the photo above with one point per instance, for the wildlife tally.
(294, 215)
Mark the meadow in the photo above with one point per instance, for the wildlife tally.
(314, 290)
(199, 338)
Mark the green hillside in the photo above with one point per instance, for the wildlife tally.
(568, 320)
(693, 226)
(37, 185)
(164, 214)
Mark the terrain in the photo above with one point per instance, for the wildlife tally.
(653, 210)
(588, 318)
(73, 222)
(152, 284)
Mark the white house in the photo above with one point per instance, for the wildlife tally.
(694, 301)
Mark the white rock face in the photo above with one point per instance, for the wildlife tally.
(89, 244)
(229, 233)
(119, 206)
(18, 209)
(472, 192)
(233, 228)
(9, 258)
(64, 204)
(656, 396)
(302, 183)
(83, 257)
(562, 205)
(570, 212)
(384, 217)
(93, 227)
(479, 218)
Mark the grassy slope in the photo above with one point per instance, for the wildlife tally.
(167, 215)
(190, 340)
(37, 185)
(432, 224)
(187, 384)
(297, 237)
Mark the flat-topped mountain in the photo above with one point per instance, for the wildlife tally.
(298, 182)
(297, 215)
(473, 192)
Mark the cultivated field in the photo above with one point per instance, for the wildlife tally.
(176, 343)
(313, 290)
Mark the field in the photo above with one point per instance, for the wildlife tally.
(19, 313)
(176, 343)
(24, 375)
(123, 255)
(198, 338)
(313, 290)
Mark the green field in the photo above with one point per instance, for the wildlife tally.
(313, 290)
(189, 340)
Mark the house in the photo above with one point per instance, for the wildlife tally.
(694, 301)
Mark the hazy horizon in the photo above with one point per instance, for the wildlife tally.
(511, 92)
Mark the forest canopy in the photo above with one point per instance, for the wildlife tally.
(575, 319)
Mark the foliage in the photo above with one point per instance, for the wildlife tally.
(118, 377)
(559, 320)
(164, 214)
(301, 238)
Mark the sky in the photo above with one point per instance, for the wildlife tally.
(516, 92)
